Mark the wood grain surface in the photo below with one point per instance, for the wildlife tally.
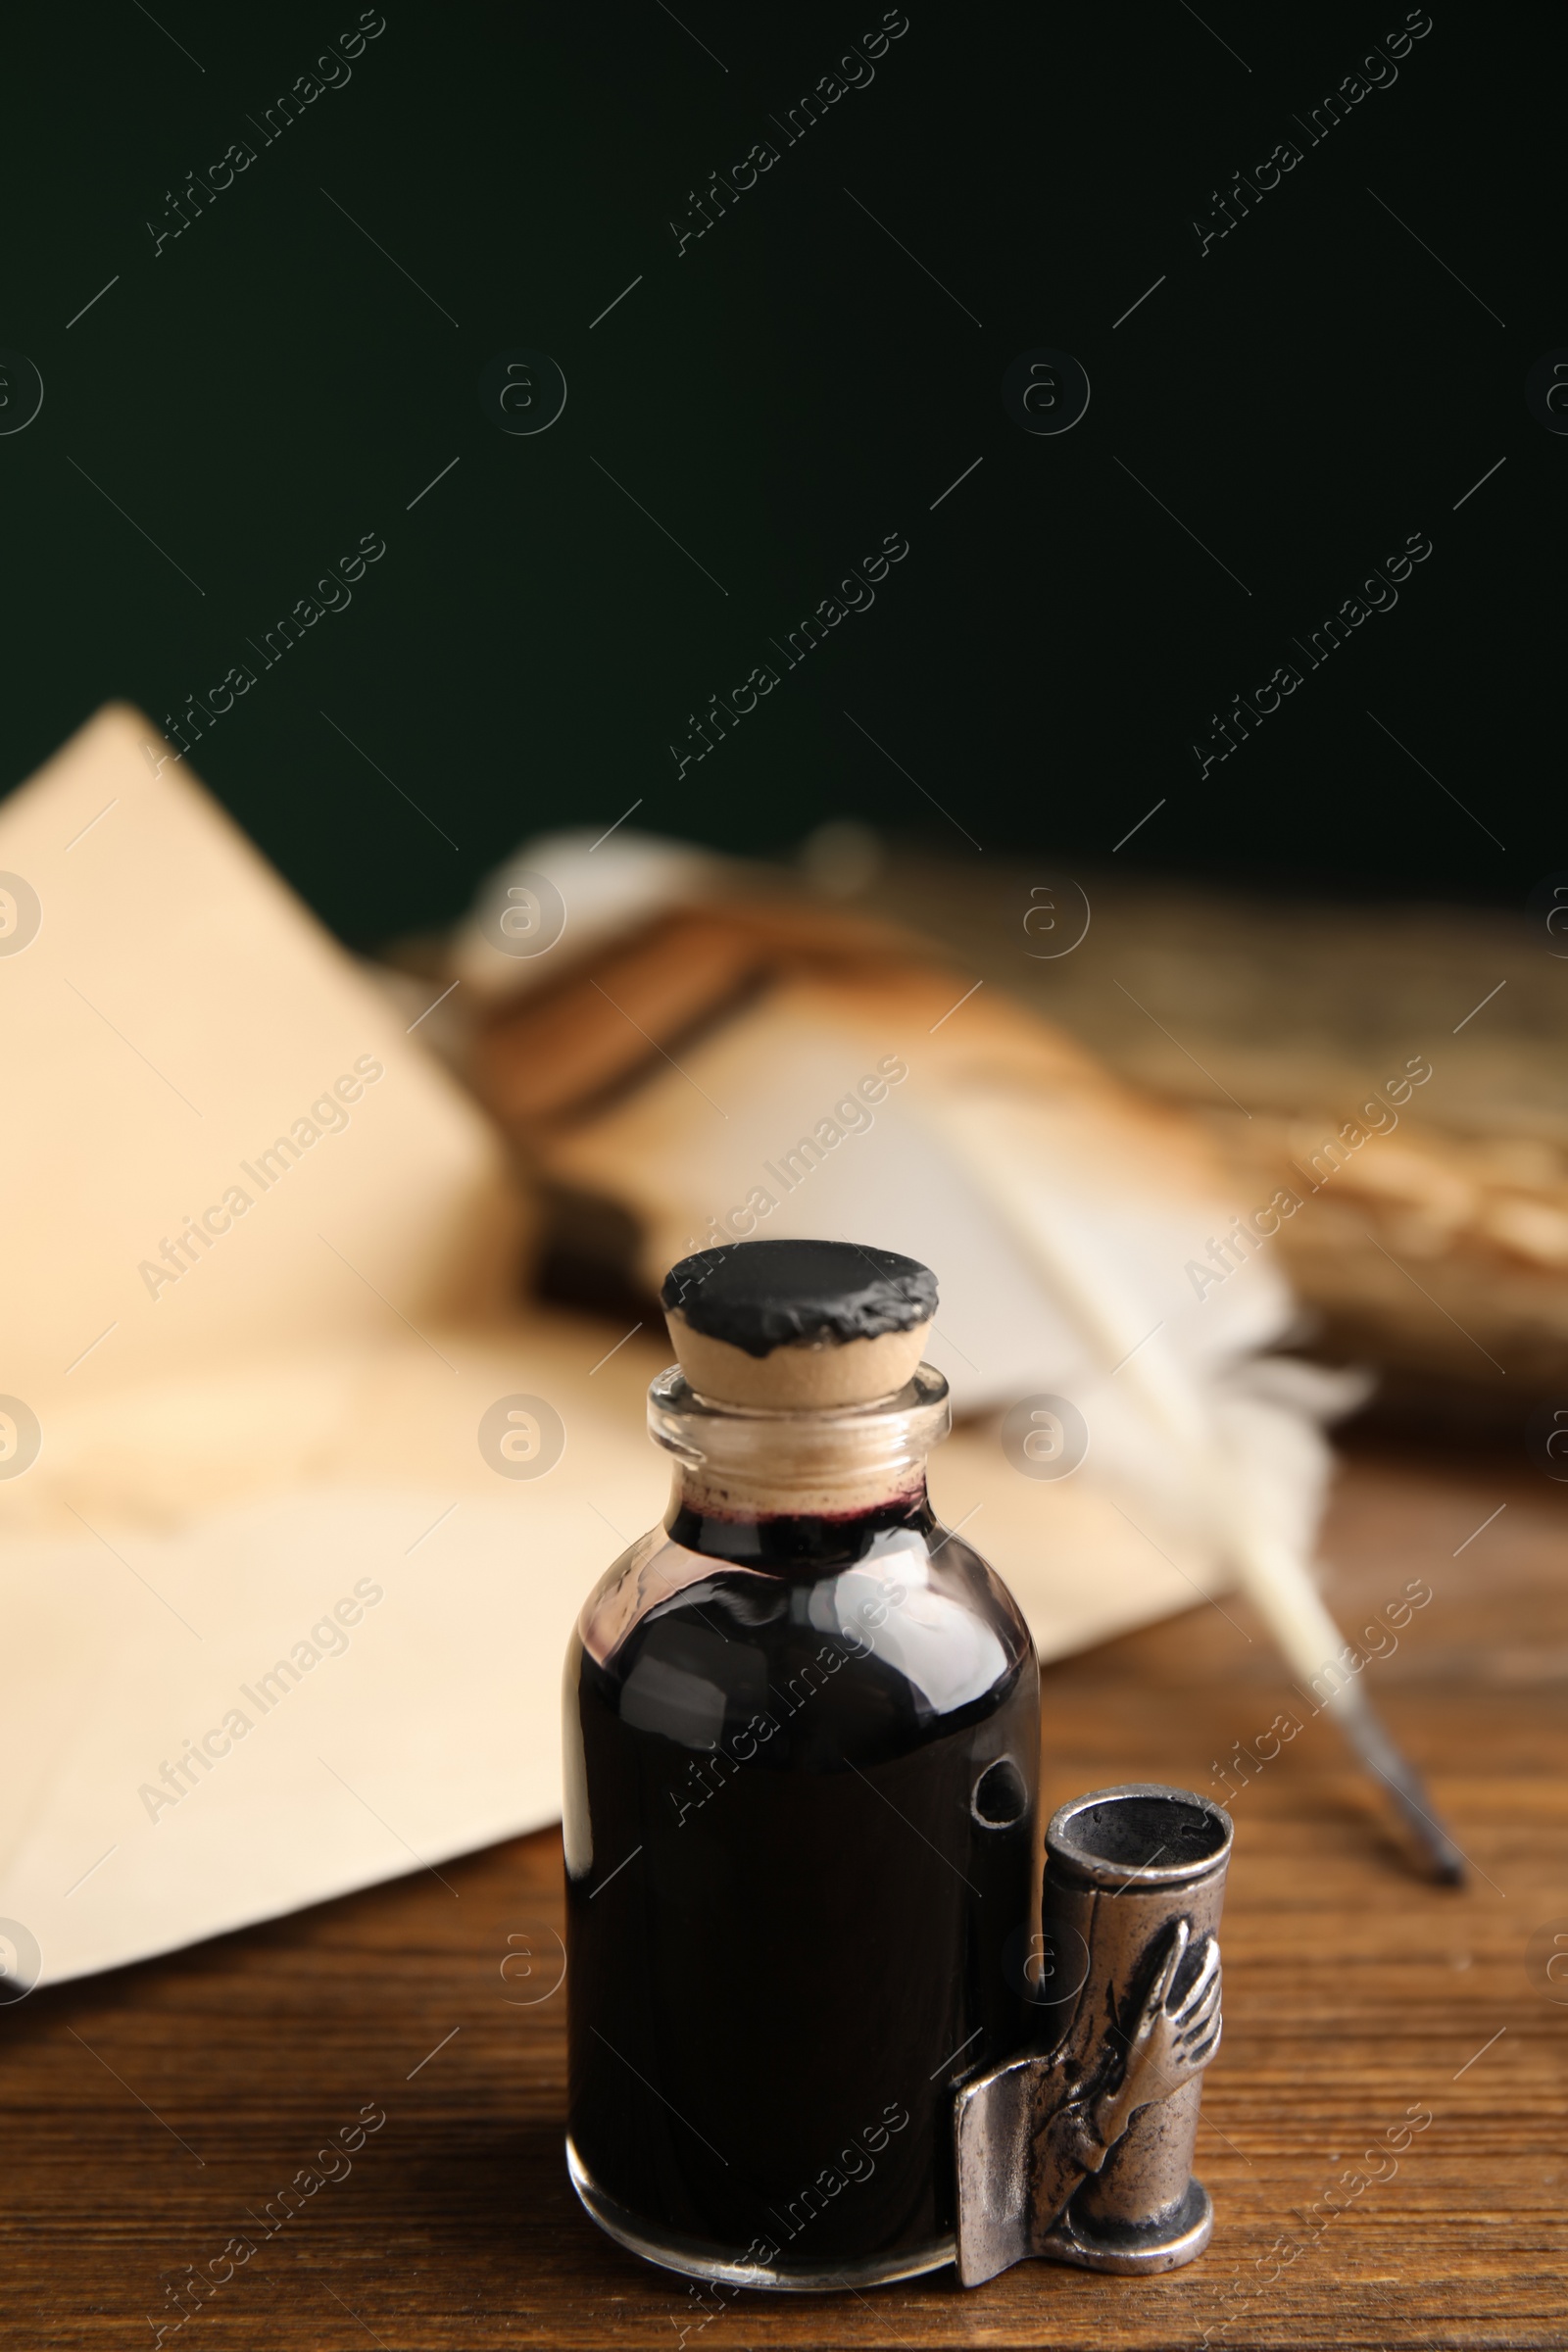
(151, 2115)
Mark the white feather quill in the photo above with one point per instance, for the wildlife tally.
(1061, 1214)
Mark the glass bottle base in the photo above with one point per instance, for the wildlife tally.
(695, 2258)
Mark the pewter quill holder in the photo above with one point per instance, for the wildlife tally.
(1081, 2150)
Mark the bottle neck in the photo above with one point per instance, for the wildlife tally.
(745, 1467)
(796, 1545)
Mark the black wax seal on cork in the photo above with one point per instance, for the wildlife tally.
(759, 1295)
(797, 1325)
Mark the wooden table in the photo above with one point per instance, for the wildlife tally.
(148, 2115)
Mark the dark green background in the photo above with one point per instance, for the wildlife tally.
(781, 396)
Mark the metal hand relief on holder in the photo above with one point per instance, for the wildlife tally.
(1081, 2150)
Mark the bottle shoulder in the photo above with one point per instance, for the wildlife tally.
(683, 1641)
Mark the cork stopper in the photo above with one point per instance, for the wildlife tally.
(798, 1326)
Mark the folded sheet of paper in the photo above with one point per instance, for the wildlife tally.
(284, 1593)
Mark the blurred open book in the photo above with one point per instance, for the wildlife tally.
(1394, 1069)
(258, 1262)
(302, 1484)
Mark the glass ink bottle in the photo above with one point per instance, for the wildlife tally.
(802, 1740)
